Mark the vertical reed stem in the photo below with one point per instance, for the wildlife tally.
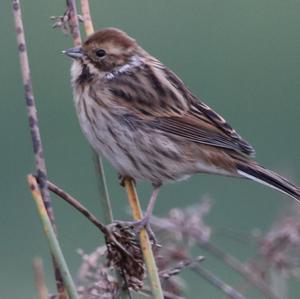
(107, 213)
(40, 278)
(52, 240)
(73, 22)
(144, 240)
(40, 163)
(87, 20)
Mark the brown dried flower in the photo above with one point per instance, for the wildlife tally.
(130, 264)
(62, 22)
(280, 246)
(95, 278)
(185, 225)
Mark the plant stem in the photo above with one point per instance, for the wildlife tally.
(40, 163)
(239, 267)
(31, 110)
(107, 213)
(77, 205)
(144, 240)
(73, 22)
(185, 264)
(84, 211)
(217, 282)
(40, 278)
(87, 20)
(52, 240)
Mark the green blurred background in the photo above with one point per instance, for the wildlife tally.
(242, 57)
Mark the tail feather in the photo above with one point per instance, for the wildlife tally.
(267, 177)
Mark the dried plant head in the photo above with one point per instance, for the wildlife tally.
(280, 247)
(95, 277)
(130, 264)
(95, 274)
(63, 21)
(185, 225)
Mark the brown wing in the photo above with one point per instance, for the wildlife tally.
(197, 131)
(156, 96)
(201, 124)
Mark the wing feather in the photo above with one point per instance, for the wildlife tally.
(186, 128)
(227, 136)
(161, 100)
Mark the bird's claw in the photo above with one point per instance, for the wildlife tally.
(138, 225)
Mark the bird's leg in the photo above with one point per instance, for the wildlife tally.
(145, 221)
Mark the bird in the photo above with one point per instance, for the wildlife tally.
(143, 119)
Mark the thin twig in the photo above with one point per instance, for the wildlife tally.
(52, 240)
(40, 163)
(217, 282)
(73, 22)
(107, 213)
(92, 218)
(237, 266)
(144, 240)
(40, 278)
(168, 273)
(77, 205)
(87, 20)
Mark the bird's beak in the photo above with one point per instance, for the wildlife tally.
(75, 52)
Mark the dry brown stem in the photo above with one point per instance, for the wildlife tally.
(77, 205)
(34, 128)
(73, 22)
(144, 240)
(87, 20)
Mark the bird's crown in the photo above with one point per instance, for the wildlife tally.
(110, 38)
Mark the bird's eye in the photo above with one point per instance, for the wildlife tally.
(100, 53)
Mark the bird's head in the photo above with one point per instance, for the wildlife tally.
(105, 50)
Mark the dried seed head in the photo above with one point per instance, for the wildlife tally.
(185, 225)
(62, 22)
(131, 264)
(95, 278)
(280, 246)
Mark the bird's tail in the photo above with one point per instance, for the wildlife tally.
(267, 177)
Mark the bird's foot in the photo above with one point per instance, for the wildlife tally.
(138, 225)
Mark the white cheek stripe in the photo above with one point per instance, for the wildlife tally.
(135, 62)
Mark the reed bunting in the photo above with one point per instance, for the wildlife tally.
(143, 119)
